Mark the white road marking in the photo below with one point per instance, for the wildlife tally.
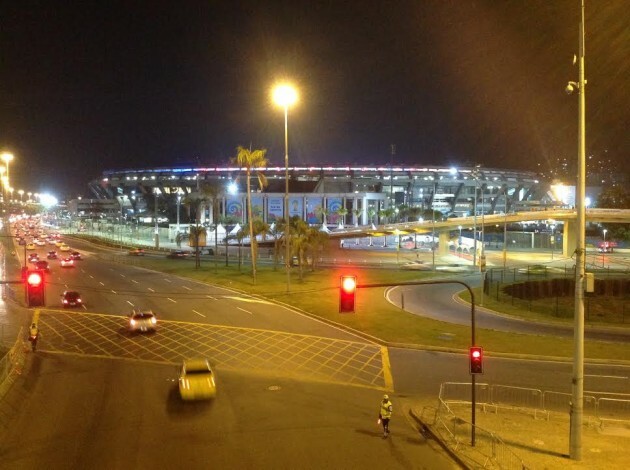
(122, 275)
(248, 299)
(114, 291)
(150, 289)
(200, 314)
(210, 297)
(129, 303)
(167, 280)
(185, 287)
(134, 281)
(607, 376)
(246, 311)
(91, 277)
(174, 301)
(101, 283)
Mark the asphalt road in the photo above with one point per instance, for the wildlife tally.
(438, 302)
(73, 412)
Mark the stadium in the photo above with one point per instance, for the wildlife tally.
(368, 194)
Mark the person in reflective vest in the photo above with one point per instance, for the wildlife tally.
(33, 335)
(385, 414)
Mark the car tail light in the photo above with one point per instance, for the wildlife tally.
(65, 301)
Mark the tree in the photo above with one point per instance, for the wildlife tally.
(256, 160)
(197, 232)
(357, 214)
(342, 212)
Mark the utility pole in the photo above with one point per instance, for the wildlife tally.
(577, 382)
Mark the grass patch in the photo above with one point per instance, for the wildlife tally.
(318, 294)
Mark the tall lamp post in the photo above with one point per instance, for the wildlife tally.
(6, 158)
(605, 248)
(577, 381)
(285, 95)
(21, 193)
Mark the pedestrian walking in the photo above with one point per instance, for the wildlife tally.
(385, 414)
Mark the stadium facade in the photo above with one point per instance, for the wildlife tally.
(365, 192)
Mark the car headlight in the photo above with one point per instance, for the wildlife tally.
(132, 322)
(154, 320)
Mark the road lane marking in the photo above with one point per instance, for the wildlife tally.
(607, 376)
(122, 275)
(210, 297)
(167, 280)
(246, 311)
(150, 289)
(113, 291)
(101, 283)
(247, 299)
(129, 303)
(174, 301)
(200, 314)
(133, 280)
(185, 287)
(91, 277)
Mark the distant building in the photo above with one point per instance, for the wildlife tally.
(317, 190)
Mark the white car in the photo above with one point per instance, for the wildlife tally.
(67, 263)
(196, 380)
(142, 321)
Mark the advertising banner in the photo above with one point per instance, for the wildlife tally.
(257, 207)
(334, 204)
(275, 209)
(313, 207)
(234, 208)
(296, 207)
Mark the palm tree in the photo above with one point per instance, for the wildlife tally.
(196, 233)
(371, 214)
(341, 212)
(249, 159)
(357, 214)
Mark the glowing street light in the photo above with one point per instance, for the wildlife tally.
(6, 158)
(285, 95)
(21, 193)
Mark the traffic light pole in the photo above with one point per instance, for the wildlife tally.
(472, 331)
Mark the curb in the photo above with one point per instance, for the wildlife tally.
(426, 430)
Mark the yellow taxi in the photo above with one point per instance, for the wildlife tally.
(64, 247)
(58, 243)
(30, 246)
(196, 380)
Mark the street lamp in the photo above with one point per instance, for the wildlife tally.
(21, 193)
(179, 200)
(6, 158)
(604, 248)
(553, 238)
(577, 379)
(285, 95)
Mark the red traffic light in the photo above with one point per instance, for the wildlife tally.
(347, 293)
(348, 283)
(34, 279)
(476, 360)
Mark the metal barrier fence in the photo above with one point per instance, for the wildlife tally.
(12, 364)
(489, 452)
(536, 401)
(615, 410)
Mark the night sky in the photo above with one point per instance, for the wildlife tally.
(89, 86)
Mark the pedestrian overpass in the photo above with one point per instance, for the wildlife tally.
(443, 227)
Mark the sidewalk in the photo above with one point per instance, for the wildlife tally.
(527, 441)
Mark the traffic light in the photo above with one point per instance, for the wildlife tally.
(476, 360)
(347, 294)
(35, 288)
